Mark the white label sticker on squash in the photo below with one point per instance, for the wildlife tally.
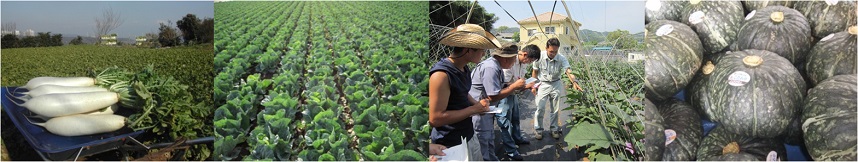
(826, 38)
(751, 15)
(653, 5)
(773, 156)
(664, 30)
(696, 17)
(831, 2)
(738, 78)
(669, 135)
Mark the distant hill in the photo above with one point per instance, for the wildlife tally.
(639, 36)
(508, 30)
(589, 35)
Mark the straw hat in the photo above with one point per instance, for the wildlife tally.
(470, 36)
(506, 50)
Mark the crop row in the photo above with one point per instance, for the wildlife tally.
(320, 81)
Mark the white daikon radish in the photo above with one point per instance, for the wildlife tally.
(62, 104)
(82, 124)
(54, 89)
(62, 81)
(108, 110)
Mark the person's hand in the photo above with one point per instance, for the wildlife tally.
(529, 86)
(533, 90)
(436, 149)
(485, 103)
(518, 84)
(484, 106)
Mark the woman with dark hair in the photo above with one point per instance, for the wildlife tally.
(450, 106)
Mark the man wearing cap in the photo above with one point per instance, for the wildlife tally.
(550, 89)
(450, 106)
(509, 119)
(487, 82)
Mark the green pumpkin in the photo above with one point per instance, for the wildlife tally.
(829, 119)
(723, 145)
(697, 92)
(734, 157)
(654, 130)
(833, 55)
(683, 130)
(663, 10)
(755, 93)
(758, 4)
(829, 16)
(716, 22)
(673, 54)
(778, 29)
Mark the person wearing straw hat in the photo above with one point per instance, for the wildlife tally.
(450, 106)
(509, 120)
(487, 81)
(551, 89)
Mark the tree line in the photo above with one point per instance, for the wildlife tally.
(41, 39)
(189, 30)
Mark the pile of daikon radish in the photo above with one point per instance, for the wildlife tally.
(76, 106)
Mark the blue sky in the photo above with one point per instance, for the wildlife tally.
(78, 18)
(594, 15)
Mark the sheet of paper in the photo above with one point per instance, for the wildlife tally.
(494, 110)
(456, 153)
(530, 80)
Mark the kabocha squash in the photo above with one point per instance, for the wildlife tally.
(683, 130)
(697, 92)
(716, 22)
(830, 118)
(833, 55)
(734, 157)
(673, 54)
(663, 10)
(755, 93)
(758, 4)
(721, 144)
(829, 16)
(778, 29)
(654, 131)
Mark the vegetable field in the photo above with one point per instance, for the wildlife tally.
(168, 122)
(321, 81)
(608, 124)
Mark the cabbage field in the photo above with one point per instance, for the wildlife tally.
(320, 81)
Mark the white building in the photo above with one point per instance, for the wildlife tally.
(16, 32)
(140, 40)
(30, 32)
(108, 39)
(634, 57)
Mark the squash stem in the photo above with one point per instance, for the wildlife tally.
(752, 61)
(777, 17)
(708, 68)
(731, 148)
